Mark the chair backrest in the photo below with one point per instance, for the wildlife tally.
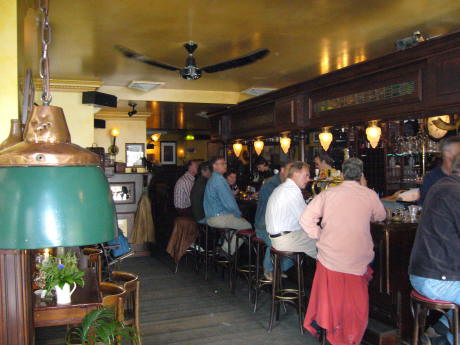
(113, 296)
(131, 284)
(94, 260)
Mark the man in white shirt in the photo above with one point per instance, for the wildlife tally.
(182, 190)
(284, 209)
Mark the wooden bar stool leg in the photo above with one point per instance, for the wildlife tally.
(416, 322)
(206, 251)
(235, 265)
(274, 293)
(455, 328)
(249, 268)
(256, 281)
(299, 291)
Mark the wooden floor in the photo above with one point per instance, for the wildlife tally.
(184, 309)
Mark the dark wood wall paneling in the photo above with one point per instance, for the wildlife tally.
(15, 298)
(425, 80)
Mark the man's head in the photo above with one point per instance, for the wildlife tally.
(299, 172)
(261, 164)
(205, 169)
(218, 164)
(284, 169)
(450, 147)
(456, 165)
(192, 167)
(352, 169)
(323, 160)
(231, 177)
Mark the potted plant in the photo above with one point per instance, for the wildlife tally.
(100, 327)
(60, 273)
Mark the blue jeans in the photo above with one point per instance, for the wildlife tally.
(443, 290)
(268, 265)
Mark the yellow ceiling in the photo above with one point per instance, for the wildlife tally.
(306, 37)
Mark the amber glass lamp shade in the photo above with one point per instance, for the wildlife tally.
(325, 138)
(258, 146)
(285, 143)
(373, 133)
(53, 192)
(237, 148)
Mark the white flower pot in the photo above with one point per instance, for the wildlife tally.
(63, 295)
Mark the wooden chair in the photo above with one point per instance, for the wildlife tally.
(94, 260)
(113, 296)
(131, 284)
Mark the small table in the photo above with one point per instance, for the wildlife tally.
(84, 299)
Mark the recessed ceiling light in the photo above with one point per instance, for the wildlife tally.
(257, 91)
(143, 85)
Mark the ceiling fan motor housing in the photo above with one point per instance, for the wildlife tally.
(190, 73)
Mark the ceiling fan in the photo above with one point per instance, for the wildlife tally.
(191, 71)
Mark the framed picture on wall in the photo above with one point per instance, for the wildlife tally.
(125, 222)
(123, 192)
(168, 152)
(134, 154)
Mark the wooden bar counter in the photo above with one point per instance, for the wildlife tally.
(389, 290)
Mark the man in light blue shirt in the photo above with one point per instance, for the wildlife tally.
(220, 206)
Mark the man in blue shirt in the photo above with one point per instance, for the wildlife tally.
(267, 188)
(450, 147)
(220, 206)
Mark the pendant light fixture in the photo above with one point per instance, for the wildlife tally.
(373, 133)
(258, 146)
(285, 143)
(325, 138)
(54, 193)
(237, 148)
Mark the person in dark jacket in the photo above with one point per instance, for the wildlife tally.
(197, 192)
(450, 147)
(434, 267)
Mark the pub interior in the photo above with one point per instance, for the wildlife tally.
(99, 140)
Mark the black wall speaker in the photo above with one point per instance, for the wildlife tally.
(99, 123)
(99, 98)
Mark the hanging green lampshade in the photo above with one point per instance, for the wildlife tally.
(52, 193)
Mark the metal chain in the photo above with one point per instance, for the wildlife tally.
(44, 60)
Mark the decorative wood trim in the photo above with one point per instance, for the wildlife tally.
(115, 114)
(67, 85)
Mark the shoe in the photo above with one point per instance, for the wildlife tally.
(268, 275)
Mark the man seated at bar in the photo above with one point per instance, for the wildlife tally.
(220, 206)
(230, 176)
(182, 190)
(450, 147)
(284, 208)
(197, 192)
(339, 218)
(434, 267)
(261, 230)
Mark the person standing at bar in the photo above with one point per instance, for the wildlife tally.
(197, 192)
(220, 206)
(450, 147)
(284, 208)
(182, 190)
(264, 194)
(434, 267)
(339, 301)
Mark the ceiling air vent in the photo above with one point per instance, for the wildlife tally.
(143, 85)
(257, 91)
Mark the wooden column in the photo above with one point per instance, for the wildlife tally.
(16, 319)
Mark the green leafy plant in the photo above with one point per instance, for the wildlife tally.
(61, 270)
(100, 327)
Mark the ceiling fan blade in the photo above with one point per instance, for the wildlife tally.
(131, 54)
(237, 62)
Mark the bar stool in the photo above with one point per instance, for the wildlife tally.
(248, 270)
(94, 260)
(421, 305)
(227, 261)
(203, 240)
(259, 279)
(295, 297)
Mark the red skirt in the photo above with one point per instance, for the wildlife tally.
(339, 303)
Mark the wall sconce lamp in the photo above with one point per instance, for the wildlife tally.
(258, 146)
(237, 148)
(113, 149)
(325, 138)
(373, 133)
(285, 143)
(155, 137)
